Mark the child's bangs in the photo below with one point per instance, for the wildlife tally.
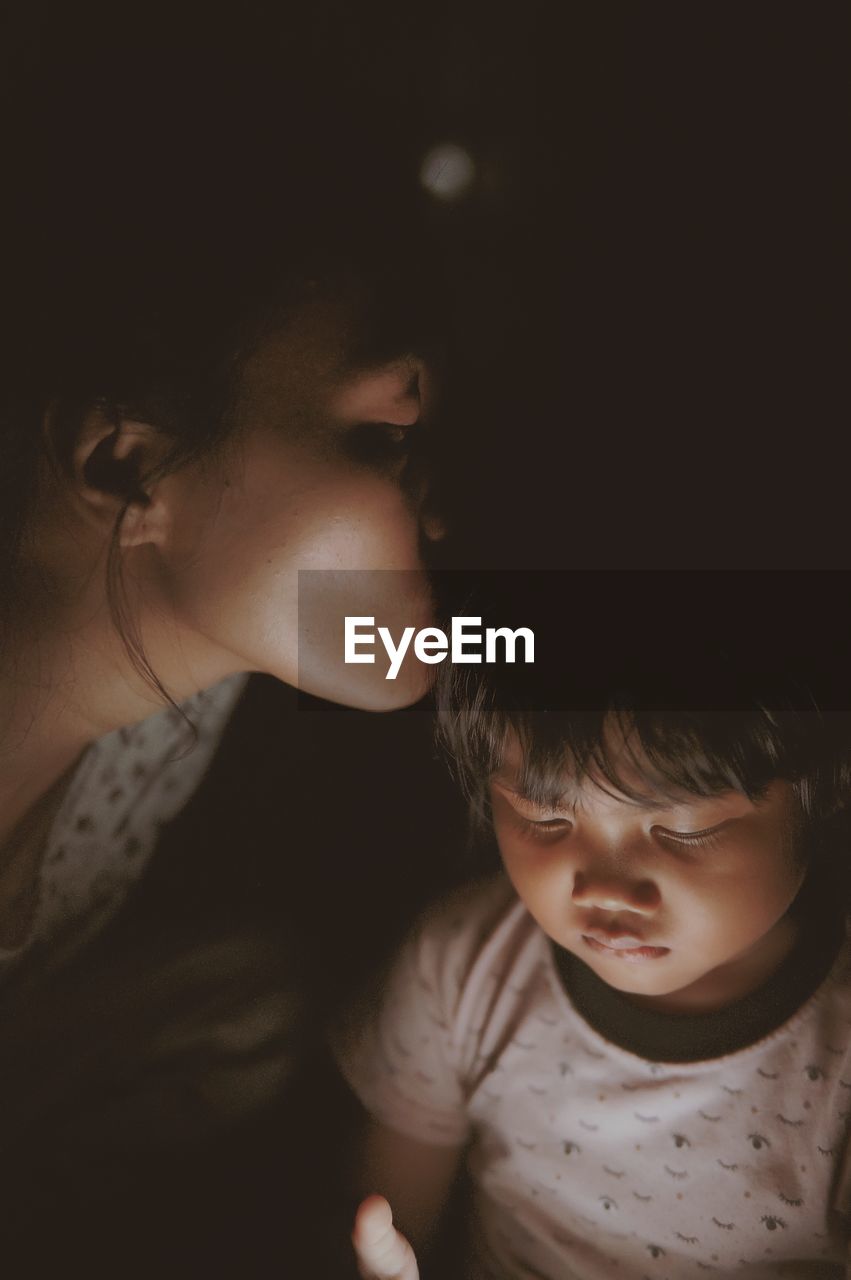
(633, 751)
(647, 756)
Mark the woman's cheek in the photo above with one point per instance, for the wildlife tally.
(350, 548)
(266, 563)
(360, 522)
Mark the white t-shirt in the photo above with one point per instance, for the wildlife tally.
(590, 1162)
(127, 787)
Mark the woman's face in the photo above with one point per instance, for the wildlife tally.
(318, 478)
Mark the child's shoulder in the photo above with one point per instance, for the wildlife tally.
(468, 915)
(478, 933)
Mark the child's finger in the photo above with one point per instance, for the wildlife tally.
(383, 1253)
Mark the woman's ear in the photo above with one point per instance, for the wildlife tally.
(109, 471)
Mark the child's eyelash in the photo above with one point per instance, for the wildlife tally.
(707, 839)
(544, 827)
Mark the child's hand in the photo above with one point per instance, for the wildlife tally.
(382, 1252)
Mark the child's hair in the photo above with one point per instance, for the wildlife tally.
(720, 702)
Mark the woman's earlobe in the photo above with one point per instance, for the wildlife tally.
(144, 521)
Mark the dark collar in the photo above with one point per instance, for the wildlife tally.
(674, 1037)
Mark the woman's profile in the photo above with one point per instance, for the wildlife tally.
(206, 393)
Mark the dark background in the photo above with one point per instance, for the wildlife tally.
(643, 290)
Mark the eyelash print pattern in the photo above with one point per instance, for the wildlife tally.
(675, 1173)
(686, 1239)
(796, 1203)
(607, 1202)
(732, 1167)
(726, 1226)
(758, 1141)
(796, 1124)
(772, 1223)
(680, 1140)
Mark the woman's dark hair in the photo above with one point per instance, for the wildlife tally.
(702, 707)
(151, 239)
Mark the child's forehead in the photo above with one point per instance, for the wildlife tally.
(629, 779)
(625, 761)
(596, 795)
(569, 790)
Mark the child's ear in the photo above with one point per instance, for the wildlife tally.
(108, 469)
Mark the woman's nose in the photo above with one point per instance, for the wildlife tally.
(397, 393)
(615, 892)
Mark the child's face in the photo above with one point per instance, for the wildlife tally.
(682, 901)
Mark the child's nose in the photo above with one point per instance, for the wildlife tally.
(615, 892)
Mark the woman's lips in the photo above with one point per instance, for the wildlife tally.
(622, 947)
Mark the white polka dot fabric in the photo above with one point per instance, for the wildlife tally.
(589, 1162)
(128, 785)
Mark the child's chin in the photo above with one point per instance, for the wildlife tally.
(647, 979)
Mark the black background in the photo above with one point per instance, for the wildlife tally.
(644, 291)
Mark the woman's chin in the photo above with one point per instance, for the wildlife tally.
(365, 688)
(356, 632)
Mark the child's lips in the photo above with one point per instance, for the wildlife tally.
(625, 946)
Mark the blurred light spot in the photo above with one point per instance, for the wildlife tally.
(448, 171)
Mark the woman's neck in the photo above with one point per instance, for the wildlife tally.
(67, 676)
(67, 681)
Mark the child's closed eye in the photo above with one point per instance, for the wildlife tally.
(708, 838)
(541, 828)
